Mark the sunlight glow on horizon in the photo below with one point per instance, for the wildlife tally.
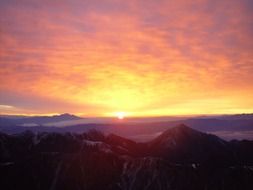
(120, 115)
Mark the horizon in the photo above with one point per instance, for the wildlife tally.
(125, 117)
(228, 127)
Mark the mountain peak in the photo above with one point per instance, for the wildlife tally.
(182, 127)
(186, 141)
(65, 116)
(179, 130)
(179, 135)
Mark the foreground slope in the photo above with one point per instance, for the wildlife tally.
(180, 158)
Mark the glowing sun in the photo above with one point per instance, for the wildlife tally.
(120, 115)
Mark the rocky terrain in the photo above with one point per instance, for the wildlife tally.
(180, 158)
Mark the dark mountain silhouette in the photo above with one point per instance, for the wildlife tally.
(183, 144)
(180, 158)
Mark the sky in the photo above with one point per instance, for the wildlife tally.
(140, 57)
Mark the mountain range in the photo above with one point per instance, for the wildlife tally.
(227, 127)
(35, 120)
(179, 158)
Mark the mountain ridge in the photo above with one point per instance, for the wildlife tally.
(225, 128)
(92, 160)
(36, 120)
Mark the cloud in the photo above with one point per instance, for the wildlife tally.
(138, 56)
(231, 135)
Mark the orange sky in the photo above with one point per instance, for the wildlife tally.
(142, 57)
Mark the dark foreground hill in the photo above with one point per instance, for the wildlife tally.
(180, 158)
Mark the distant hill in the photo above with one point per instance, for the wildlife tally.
(36, 120)
(237, 116)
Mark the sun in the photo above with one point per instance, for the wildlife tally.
(120, 115)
